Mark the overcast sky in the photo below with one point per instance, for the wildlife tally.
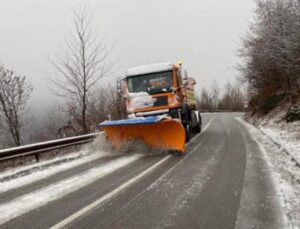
(205, 34)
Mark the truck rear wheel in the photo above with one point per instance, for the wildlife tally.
(186, 118)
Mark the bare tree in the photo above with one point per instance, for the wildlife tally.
(14, 94)
(104, 102)
(233, 97)
(81, 64)
(215, 95)
(226, 102)
(46, 126)
(205, 102)
(271, 53)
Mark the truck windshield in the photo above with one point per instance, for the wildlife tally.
(152, 83)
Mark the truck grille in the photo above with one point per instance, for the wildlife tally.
(161, 101)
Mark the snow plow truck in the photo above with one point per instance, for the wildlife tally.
(161, 108)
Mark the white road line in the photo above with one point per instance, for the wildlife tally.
(108, 196)
(96, 204)
(43, 196)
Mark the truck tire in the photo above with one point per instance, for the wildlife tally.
(186, 118)
(198, 127)
(187, 132)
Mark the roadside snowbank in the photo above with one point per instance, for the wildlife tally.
(287, 135)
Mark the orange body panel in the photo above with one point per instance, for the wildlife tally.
(168, 134)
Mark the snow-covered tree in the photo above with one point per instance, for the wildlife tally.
(14, 94)
(271, 52)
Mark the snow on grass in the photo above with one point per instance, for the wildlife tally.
(38, 198)
(287, 135)
(285, 172)
(288, 140)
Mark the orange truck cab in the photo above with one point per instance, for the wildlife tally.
(161, 89)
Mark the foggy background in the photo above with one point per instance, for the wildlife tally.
(204, 34)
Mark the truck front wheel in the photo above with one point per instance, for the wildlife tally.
(186, 118)
(197, 128)
(187, 132)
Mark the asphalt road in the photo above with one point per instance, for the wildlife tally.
(221, 182)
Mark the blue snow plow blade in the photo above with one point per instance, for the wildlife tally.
(147, 120)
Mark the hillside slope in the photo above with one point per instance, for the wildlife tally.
(275, 126)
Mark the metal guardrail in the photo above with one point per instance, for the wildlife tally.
(36, 149)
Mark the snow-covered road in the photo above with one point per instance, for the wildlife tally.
(285, 171)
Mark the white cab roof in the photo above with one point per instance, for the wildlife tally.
(151, 68)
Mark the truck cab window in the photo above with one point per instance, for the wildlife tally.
(153, 83)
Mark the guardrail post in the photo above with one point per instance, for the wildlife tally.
(37, 158)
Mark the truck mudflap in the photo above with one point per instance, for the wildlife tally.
(158, 132)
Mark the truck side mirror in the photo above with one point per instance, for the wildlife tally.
(183, 74)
